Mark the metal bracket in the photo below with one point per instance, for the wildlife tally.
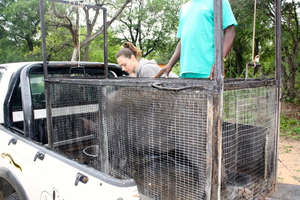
(39, 155)
(82, 178)
(12, 141)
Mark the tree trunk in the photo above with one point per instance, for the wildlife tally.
(75, 54)
(291, 82)
(29, 43)
(238, 59)
(100, 31)
(86, 53)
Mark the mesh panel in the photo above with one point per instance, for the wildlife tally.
(156, 137)
(75, 116)
(248, 141)
(160, 137)
(165, 140)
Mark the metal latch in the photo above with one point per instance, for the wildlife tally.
(39, 155)
(82, 178)
(12, 141)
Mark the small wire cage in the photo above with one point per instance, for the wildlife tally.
(160, 134)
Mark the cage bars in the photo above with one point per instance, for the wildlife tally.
(44, 54)
(45, 68)
(278, 63)
(217, 104)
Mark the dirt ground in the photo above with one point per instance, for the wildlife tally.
(289, 152)
(289, 161)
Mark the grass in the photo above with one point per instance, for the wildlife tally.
(288, 149)
(290, 127)
(296, 178)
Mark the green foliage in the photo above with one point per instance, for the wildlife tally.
(291, 51)
(96, 52)
(19, 22)
(59, 46)
(290, 127)
(9, 52)
(152, 26)
(241, 53)
(20, 19)
(288, 149)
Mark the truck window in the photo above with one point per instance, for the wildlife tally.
(17, 109)
(37, 87)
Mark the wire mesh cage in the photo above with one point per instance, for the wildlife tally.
(170, 136)
(160, 135)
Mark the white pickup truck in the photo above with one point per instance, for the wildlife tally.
(29, 169)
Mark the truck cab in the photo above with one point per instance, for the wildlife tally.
(29, 168)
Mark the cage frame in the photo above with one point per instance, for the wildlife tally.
(218, 99)
(215, 108)
(44, 54)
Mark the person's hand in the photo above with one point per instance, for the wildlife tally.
(212, 73)
(166, 70)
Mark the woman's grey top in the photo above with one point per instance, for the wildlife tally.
(149, 68)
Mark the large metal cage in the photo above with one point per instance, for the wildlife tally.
(178, 139)
(160, 133)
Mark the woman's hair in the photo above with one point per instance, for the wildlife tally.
(128, 50)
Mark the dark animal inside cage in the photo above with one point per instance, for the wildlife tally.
(157, 131)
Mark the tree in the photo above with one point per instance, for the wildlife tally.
(150, 25)
(20, 19)
(265, 45)
(264, 38)
(67, 19)
(291, 48)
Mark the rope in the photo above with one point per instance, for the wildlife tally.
(254, 31)
(253, 39)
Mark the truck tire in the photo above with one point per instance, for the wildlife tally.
(13, 196)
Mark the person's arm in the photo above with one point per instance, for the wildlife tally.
(171, 63)
(229, 35)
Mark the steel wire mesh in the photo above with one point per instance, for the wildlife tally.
(165, 134)
(248, 141)
(160, 137)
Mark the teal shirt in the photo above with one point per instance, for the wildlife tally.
(196, 33)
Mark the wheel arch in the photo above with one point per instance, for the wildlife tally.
(6, 176)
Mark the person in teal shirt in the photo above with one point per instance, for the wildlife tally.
(196, 33)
